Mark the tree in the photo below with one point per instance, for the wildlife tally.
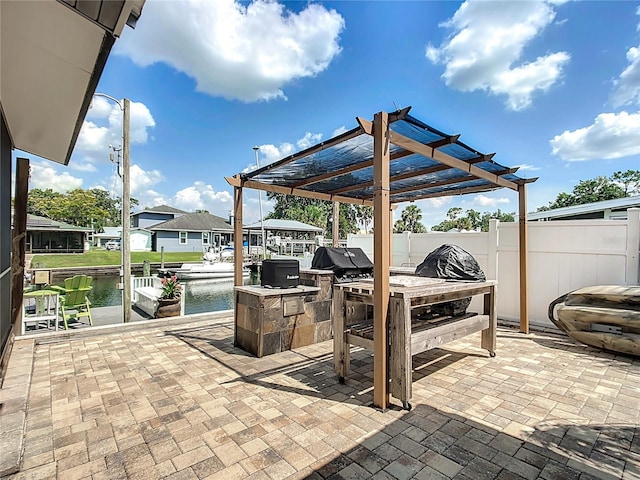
(86, 208)
(314, 212)
(619, 185)
(364, 213)
(410, 221)
(470, 220)
(629, 181)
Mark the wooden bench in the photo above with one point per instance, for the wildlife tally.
(408, 336)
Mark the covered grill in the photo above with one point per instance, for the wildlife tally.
(451, 262)
(348, 264)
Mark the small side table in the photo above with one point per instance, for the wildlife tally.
(40, 307)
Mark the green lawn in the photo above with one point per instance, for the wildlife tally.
(95, 258)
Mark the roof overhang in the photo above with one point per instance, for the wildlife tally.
(52, 56)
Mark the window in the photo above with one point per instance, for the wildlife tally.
(183, 238)
(205, 238)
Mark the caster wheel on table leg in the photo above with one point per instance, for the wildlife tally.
(407, 406)
(341, 380)
(492, 354)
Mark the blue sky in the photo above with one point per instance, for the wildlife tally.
(553, 87)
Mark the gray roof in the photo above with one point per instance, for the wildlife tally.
(615, 204)
(162, 209)
(285, 225)
(35, 222)
(194, 222)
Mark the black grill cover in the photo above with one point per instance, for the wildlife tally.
(343, 261)
(451, 262)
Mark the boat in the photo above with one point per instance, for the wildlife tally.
(190, 271)
(216, 264)
(604, 316)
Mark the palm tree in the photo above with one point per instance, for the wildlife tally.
(410, 221)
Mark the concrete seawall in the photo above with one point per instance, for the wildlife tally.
(103, 270)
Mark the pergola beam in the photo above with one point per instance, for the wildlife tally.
(362, 165)
(349, 169)
(235, 181)
(354, 132)
(450, 193)
(404, 153)
(442, 183)
(439, 156)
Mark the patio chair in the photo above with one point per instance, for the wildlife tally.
(74, 303)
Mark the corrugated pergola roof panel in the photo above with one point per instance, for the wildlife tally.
(433, 163)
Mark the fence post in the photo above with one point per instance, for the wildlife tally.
(146, 268)
(406, 248)
(632, 274)
(492, 249)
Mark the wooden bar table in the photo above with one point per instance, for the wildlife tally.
(407, 336)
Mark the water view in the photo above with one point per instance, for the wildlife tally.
(199, 295)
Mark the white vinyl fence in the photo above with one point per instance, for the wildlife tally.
(563, 256)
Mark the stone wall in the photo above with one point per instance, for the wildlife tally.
(272, 320)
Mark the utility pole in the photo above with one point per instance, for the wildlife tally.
(125, 245)
(126, 211)
(264, 245)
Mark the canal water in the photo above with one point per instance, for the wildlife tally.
(199, 295)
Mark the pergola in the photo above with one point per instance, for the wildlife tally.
(393, 159)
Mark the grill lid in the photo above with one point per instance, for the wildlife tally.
(343, 261)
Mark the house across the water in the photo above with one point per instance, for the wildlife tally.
(50, 236)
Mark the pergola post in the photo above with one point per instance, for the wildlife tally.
(381, 240)
(238, 248)
(19, 241)
(336, 224)
(523, 251)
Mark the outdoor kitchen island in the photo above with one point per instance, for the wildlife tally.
(272, 320)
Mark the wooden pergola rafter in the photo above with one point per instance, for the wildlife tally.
(380, 188)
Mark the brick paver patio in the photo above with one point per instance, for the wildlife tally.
(183, 403)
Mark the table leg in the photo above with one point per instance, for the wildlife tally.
(488, 341)
(341, 354)
(400, 352)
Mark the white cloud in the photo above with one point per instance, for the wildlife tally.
(270, 153)
(339, 131)
(309, 140)
(141, 180)
(627, 86)
(201, 196)
(485, 50)
(248, 53)
(610, 136)
(44, 176)
(437, 202)
(103, 127)
(525, 166)
(484, 201)
(83, 167)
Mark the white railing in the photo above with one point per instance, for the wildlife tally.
(137, 282)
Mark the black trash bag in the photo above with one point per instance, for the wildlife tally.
(452, 263)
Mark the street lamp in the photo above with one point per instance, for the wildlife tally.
(264, 245)
(125, 245)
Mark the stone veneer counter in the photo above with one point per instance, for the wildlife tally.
(271, 320)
